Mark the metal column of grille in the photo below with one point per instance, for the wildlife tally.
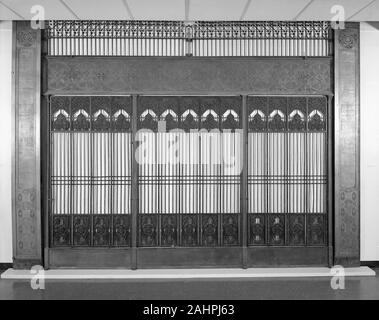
(287, 171)
(90, 161)
(188, 195)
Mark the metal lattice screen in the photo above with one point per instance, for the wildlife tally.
(287, 170)
(90, 171)
(188, 195)
(189, 180)
(179, 38)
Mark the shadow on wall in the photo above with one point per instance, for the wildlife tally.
(374, 24)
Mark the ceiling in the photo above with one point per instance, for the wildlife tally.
(353, 10)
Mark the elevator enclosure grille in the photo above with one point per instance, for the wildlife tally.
(189, 177)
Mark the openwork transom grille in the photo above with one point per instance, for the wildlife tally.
(179, 38)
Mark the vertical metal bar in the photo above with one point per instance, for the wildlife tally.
(330, 174)
(267, 169)
(220, 184)
(47, 184)
(134, 229)
(73, 43)
(243, 195)
(92, 187)
(71, 211)
(111, 172)
(286, 176)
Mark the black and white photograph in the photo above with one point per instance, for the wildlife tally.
(187, 156)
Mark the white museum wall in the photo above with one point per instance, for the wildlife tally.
(5, 141)
(369, 141)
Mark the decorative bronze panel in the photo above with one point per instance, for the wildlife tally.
(186, 75)
(297, 230)
(297, 108)
(316, 229)
(209, 230)
(230, 228)
(169, 230)
(347, 197)
(257, 226)
(82, 230)
(148, 227)
(189, 230)
(101, 230)
(61, 230)
(121, 230)
(276, 225)
(27, 247)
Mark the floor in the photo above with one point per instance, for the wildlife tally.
(174, 274)
(229, 289)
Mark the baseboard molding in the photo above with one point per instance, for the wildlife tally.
(5, 266)
(26, 264)
(370, 264)
(148, 274)
(186, 258)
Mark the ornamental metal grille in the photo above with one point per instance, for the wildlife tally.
(179, 38)
(189, 180)
(287, 171)
(196, 201)
(90, 171)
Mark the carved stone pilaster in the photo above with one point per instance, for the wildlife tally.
(347, 197)
(26, 159)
